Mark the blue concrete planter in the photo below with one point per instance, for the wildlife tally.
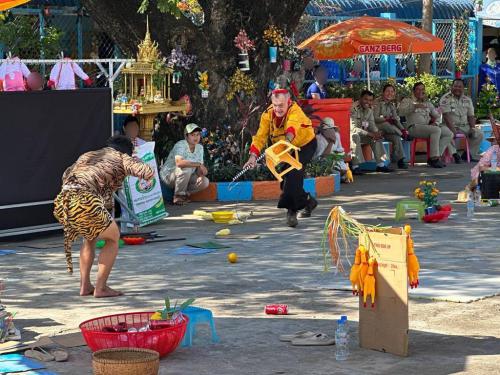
(336, 178)
(241, 191)
(310, 186)
(372, 165)
(247, 190)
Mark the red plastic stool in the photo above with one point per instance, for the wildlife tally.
(414, 147)
(449, 158)
(466, 141)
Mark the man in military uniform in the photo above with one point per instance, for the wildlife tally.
(285, 120)
(388, 122)
(458, 115)
(422, 122)
(365, 132)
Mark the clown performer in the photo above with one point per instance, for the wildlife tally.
(285, 120)
(83, 208)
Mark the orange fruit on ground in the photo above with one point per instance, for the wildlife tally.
(232, 257)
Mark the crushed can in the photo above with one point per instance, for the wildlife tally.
(276, 309)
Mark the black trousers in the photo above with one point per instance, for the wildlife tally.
(293, 196)
(490, 185)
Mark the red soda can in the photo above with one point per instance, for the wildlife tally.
(277, 309)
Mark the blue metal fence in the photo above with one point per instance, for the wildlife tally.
(400, 66)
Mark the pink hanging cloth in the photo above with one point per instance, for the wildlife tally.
(12, 73)
(62, 75)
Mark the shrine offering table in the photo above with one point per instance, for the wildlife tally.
(148, 112)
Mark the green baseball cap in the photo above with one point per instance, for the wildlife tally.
(191, 128)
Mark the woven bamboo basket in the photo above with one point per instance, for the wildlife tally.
(126, 361)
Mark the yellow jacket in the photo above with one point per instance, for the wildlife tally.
(270, 128)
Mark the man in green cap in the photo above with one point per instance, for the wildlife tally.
(183, 170)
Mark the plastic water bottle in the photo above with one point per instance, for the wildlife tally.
(470, 206)
(478, 195)
(494, 160)
(341, 340)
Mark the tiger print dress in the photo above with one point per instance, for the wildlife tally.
(83, 206)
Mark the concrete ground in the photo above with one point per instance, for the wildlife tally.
(445, 337)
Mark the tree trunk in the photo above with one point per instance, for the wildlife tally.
(424, 65)
(212, 43)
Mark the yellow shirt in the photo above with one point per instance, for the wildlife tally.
(274, 129)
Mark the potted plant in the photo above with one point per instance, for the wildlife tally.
(461, 42)
(274, 38)
(169, 316)
(427, 193)
(244, 44)
(240, 84)
(203, 85)
(289, 52)
(177, 61)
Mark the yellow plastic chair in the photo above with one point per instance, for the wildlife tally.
(280, 153)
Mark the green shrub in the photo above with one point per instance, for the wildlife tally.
(435, 87)
(488, 101)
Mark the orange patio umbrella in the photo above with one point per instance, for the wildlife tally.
(7, 4)
(370, 36)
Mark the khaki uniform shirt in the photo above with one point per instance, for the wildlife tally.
(458, 109)
(417, 116)
(362, 120)
(383, 109)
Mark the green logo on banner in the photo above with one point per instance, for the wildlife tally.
(148, 157)
(143, 186)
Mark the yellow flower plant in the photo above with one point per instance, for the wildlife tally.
(240, 82)
(274, 36)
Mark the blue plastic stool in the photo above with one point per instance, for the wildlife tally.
(198, 315)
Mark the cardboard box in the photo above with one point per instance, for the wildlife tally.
(385, 327)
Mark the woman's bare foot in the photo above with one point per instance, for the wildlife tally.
(87, 290)
(107, 292)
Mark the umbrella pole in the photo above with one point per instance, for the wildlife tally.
(368, 70)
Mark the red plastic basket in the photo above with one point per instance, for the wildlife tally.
(438, 216)
(164, 340)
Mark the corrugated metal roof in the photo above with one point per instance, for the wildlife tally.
(404, 9)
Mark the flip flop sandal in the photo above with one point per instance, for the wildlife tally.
(296, 335)
(60, 355)
(40, 355)
(180, 201)
(319, 339)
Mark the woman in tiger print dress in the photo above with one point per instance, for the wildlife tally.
(83, 208)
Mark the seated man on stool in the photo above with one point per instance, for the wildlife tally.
(389, 123)
(183, 170)
(365, 132)
(422, 122)
(458, 115)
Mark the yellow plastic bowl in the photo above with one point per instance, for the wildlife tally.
(223, 217)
